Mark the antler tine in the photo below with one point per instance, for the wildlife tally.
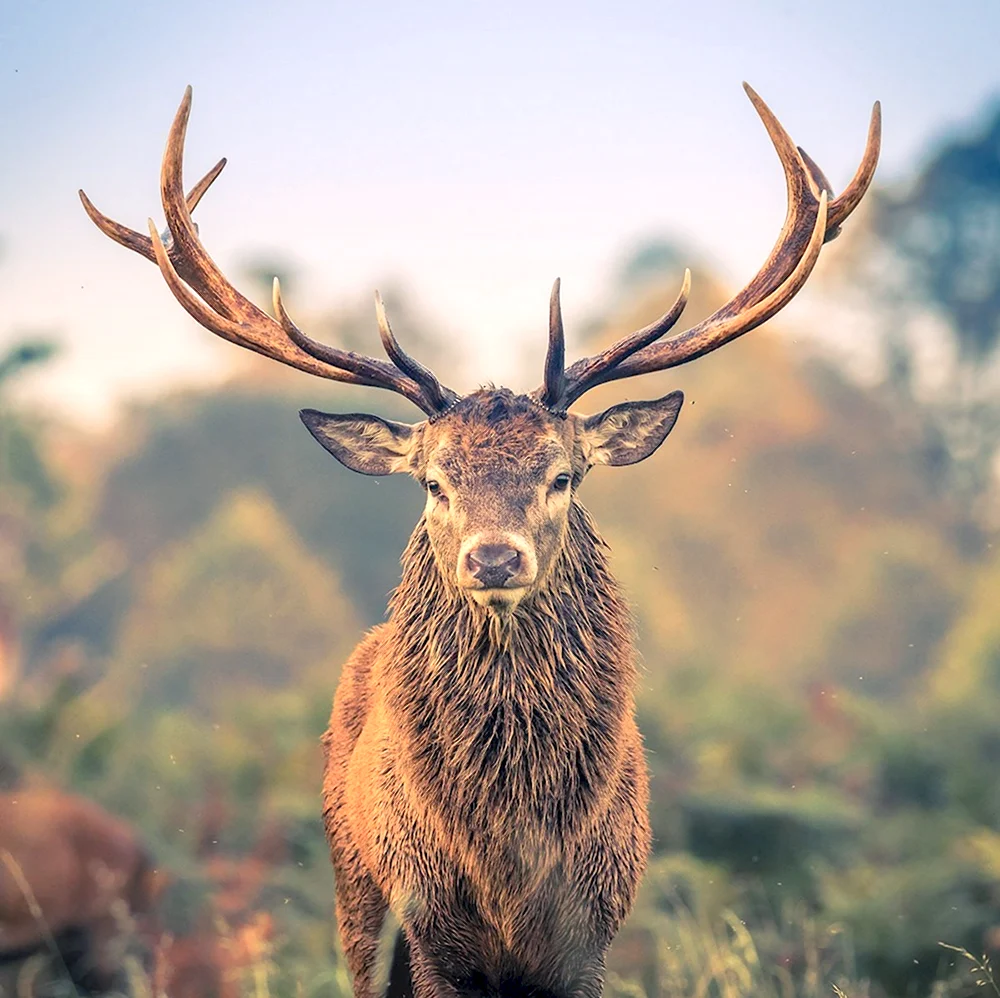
(205, 293)
(799, 216)
(438, 395)
(803, 181)
(554, 386)
(235, 332)
(584, 374)
(136, 241)
(199, 190)
(803, 178)
(711, 333)
(817, 178)
(366, 369)
(813, 217)
(842, 206)
(213, 286)
(819, 183)
(716, 331)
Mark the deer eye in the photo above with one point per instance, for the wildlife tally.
(561, 483)
(434, 488)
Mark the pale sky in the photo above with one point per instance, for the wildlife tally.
(470, 152)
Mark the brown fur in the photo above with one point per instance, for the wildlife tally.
(485, 777)
(86, 873)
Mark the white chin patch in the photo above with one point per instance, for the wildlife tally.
(499, 599)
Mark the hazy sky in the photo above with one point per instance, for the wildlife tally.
(471, 152)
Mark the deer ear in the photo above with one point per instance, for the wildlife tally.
(630, 432)
(369, 444)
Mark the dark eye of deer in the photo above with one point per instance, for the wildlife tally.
(434, 488)
(561, 484)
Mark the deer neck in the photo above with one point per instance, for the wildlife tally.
(519, 716)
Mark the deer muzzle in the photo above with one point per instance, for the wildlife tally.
(492, 562)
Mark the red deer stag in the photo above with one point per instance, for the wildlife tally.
(485, 777)
(71, 878)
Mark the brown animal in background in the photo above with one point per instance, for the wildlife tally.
(485, 777)
(72, 876)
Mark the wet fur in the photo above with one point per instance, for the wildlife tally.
(484, 774)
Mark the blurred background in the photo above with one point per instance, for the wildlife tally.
(812, 557)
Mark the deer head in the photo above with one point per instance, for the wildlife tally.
(500, 470)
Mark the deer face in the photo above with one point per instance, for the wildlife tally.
(500, 472)
(499, 478)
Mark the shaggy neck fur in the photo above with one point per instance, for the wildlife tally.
(512, 722)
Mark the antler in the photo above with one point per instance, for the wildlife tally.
(814, 217)
(206, 294)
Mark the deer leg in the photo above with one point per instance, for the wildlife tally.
(360, 913)
(426, 980)
(429, 981)
(590, 984)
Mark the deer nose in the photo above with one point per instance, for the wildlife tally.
(493, 564)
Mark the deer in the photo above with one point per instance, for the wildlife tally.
(484, 781)
(76, 883)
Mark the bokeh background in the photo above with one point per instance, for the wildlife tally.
(813, 555)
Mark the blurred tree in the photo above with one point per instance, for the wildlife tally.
(944, 227)
(968, 670)
(26, 487)
(22, 468)
(239, 601)
(195, 451)
(23, 355)
(51, 561)
(931, 263)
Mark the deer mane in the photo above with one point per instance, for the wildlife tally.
(518, 716)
